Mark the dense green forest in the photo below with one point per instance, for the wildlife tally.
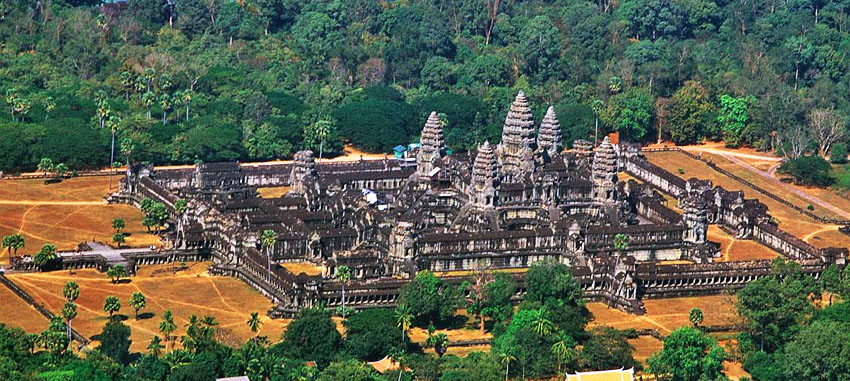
(209, 80)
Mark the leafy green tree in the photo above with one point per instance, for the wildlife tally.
(45, 165)
(489, 295)
(119, 239)
(115, 273)
(830, 281)
(630, 113)
(690, 113)
(552, 280)
(541, 42)
(376, 125)
(312, 336)
(267, 240)
(608, 348)
(349, 370)
(688, 355)
(137, 302)
(13, 242)
(111, 305)
(155, 347)
(818, 352)
(476, 366)
(372, 334)
(115, 341)
(118, 224)
(734, 117)
(649, 18)
(45, 256)
(429, 299)
(316, 135)
(809, 170)
(54, 339)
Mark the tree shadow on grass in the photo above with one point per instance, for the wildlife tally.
(146, 315)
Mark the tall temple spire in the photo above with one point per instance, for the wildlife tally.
(604, 172)
(517, 147)
(549, 138)
(484, 175)
(430, 145)
(303, 171)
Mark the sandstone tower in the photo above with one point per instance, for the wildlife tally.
(604, 173)
(431, 142)
(484, 176)
(303, 172)
(549, 138)
(516, 151)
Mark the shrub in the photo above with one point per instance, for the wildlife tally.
(809, 170)
(838, 153)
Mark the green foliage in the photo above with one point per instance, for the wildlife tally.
(111, 305)
(312, 336)
(372, 334)
(476, 366)
(137, 302)
(695, 316)
(691, 114)
(377, 125)
(838, 153)
(818, 352)
(115, 341)
(551, 280)
(734, 117)
(46, 256)
(688, 355)
(13, 242)
(631, 113)
(809, 170)
(116, 272)
(429, 299)
(350, 370)
(608, 348)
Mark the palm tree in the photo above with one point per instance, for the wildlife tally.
(111, 305)
(155, 347)
(127, 82)
(563, 349)
(695, 316)
(323, 130)
(13, 243)
(399, 357)
(114, 123)
(71, 291)
(507, 359)
(165, 104)
(343, 274)
(118, 224)
(69, 312)
(403, 318)
(186, 100)
(45, 165)
(541, 323)
(254, 323)
(118, 238)
(148, 100)
(267, 240)
(138, 302)
(167, 326)
(44, 256)
(49, 105)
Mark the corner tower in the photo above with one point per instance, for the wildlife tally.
(430, 144)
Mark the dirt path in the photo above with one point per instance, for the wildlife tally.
(727, 153)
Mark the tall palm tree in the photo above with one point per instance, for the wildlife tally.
(343, 275)
(71, 291)
(155, 347)
(254, 323)
(403, 318)
(323, 130)
(69, 312)
(167, 326)
(507, 358)
(267, 240)
(114, 123)
(563, 349)
(186, 100)
(13, 243)
(138, 302)
(541, 323)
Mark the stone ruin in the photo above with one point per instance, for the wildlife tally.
(502, 206)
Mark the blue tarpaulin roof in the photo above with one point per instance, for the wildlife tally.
(399, 148)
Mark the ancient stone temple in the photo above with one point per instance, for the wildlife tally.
(604, 173)
(549, 138)
(484, 176)
(431, 143)
(495, 206)
(516, 151)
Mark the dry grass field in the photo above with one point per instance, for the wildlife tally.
(65, 214)
(273, 192)
(17, 313)
(190, 291)
(789, 219)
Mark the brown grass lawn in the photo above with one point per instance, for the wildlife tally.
(92, 188)
(273, 192)
(17, 313)
(732, 249)
(188, 292)
(47, 214)
(790, 220)
(302, 267)
(666, 315)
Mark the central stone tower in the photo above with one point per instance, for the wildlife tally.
(516, 151)
(430, 144)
